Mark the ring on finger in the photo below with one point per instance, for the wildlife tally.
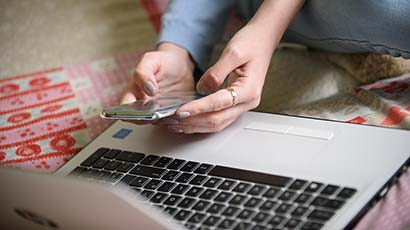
(234, 95)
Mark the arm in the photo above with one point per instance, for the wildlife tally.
(246, 60)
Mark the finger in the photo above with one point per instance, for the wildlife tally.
(215, 75)
(144, 74)
(213, 119)
(217, 101)
(209, 123)
(131, 94)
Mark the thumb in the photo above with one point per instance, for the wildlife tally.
(216, 74)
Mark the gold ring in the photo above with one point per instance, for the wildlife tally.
(234, 96)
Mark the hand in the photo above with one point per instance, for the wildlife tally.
(168, 69)
(246, 59)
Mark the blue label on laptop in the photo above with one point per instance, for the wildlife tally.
(122, 133)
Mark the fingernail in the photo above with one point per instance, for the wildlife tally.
(175, 130)
(149, 88)
(202, 89)
(183, 115)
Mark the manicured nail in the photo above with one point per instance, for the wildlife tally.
(149, 88)
(175, 130)
(202, 89)
(183, 115)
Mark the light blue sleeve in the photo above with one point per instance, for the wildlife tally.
(195, 25)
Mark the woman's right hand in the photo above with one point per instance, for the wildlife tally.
(168, 69)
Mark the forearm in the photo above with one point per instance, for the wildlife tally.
(273, 17)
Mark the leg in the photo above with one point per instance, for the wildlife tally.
(354, 26)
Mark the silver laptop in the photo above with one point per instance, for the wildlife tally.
(265, 171)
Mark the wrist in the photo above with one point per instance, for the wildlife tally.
(179, 51)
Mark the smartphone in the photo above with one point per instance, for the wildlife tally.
(149, 109)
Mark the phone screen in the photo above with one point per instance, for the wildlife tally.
(149, 109)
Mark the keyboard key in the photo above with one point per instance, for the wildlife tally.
(100, 163)
(125, 167)
(158, 197)
(139, 181)
(245, 214)
(132, 157)
(112, 165)
(223, 197)
(170, 175)
(276, 220)
(166, 186)
(299, 211)
(226, 224)
(203, 169)
(190, 226)
(261, 217)
(90, 173)
(256, 190)
(238, 199)
(283, 208)
(113, 177)
(194, 191)
(260, 227)
(216, 208)
(127, 179)
(186, 202)
(197, 218)
(251, 176)
(147, 171)
(211, 221)
(271, 193)
(320, 215)
(172, 200)
(230, 211)
(241, 187)
(243, 226)
(313, 187)
(268, 205)
(346, 193)
(330, 190)
(94, 157)
(162, 162)
(180, 189)
(297, 184)
(334, 204)
(147, 193)
(212, 182)
(292, 223)
(102, 175)
(198, 180)
(111, 154)
(175, 164)
(227, 185)
(286, 195)
(153, 184)
(77, 171)
(184, 177)
(201, 205)
(303, 198)
(208, 194)
(182, 215)
(149, 160)
(312, 226)
(170, 210)
(189, 166)
(253, 202)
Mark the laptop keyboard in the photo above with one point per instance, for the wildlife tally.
(205, 196)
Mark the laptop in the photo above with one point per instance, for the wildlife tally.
(265, 171)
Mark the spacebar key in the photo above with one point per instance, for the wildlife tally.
(251, 176)
(147, 171)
